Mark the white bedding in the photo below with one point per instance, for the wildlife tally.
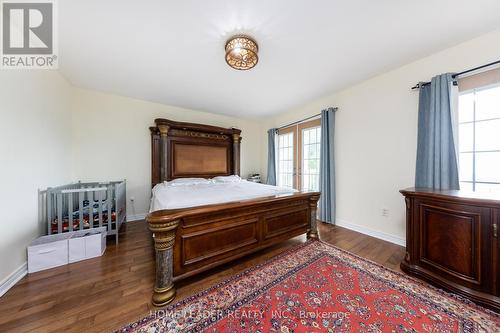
(172, 197)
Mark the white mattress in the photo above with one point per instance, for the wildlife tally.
(173, 197)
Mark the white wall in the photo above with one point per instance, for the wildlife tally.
(111, 141)
(52, 133)
(35, 150)
(376, 135)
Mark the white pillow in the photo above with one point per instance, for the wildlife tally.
(188, 181)
(227, 179)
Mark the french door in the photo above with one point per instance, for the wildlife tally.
(298, 156)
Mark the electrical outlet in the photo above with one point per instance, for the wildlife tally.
(385, 212)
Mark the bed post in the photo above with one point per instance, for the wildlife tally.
(236, 151)
(164, 238)
(163, 149)
(313, 229)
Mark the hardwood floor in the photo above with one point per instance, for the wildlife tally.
(106, 293)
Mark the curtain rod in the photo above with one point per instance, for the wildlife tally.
(418, 85)
(302, 120)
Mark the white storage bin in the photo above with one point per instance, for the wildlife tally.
(86, 244)
(48, 252)
(76, 248)
(60, 249)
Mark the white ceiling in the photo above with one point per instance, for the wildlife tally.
(172, 52)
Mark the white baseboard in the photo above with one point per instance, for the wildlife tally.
(13, 278)
(136, 217)
(370, 232)
(19, 273)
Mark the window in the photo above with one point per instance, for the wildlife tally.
(286, 167)
(479, 139)
(298, 156)
(310, 158)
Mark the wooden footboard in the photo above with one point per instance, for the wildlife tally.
(189, 241)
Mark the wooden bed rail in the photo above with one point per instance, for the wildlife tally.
(192, 240)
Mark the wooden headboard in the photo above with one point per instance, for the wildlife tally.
(180, 150)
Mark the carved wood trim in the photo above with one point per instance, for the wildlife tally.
(450, 242)
(251, 221)
(186, 133)
(166, 133)
(475, 221)
(210, 220)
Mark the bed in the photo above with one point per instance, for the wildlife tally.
(199, 226)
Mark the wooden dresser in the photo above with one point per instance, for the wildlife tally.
(452, 242)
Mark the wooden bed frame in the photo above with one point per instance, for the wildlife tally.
(191, 240)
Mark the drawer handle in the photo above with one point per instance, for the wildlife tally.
(46, 251)
(495, 230)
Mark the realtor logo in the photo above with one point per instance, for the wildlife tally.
(28, 38)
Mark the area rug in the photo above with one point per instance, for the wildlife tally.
(316, 287)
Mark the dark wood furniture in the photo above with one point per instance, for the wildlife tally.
(452, 242)
(192, 240)
(180, 150)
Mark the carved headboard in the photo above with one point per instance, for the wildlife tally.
(180, 150)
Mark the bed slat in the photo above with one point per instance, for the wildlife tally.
(70, 211)
(80, 208)
(99, 195)
(90, 198)
(110, 207)
(59, 212)
(49, 212)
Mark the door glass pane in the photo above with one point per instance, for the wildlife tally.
(305, 135)
(310, 158)
(285, 160)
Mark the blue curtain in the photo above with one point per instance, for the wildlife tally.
(437, 165)
(327, 167)
(271, 156)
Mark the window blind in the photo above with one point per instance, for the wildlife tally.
(479, 80)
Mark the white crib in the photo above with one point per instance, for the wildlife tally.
(82, 206)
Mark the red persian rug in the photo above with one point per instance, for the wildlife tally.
(316, 287)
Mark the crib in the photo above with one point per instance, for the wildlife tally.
(82, 206)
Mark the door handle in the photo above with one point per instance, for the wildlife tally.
(495, 231)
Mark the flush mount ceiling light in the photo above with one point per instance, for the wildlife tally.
(241, 52)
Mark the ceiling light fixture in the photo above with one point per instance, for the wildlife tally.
(241, 52)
